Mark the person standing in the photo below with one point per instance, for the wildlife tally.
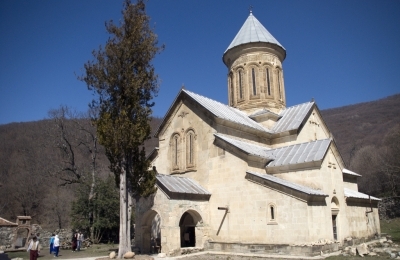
(34, 248)
(74, 241)
(80, 240)
(56, 246)
(51, 243)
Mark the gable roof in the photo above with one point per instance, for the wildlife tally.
(357, 195)
(226, 112)
(268, 179)
(7, 223)
(218, 109)
(181, 188)
(309, 152)
(252, 31)
(247, 147)
(291, 118)
(299, 153)
(262, 112)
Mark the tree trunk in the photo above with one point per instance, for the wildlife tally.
(124, 217)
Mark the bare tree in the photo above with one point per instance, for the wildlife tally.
(57, 206)
(27, 189)
(391, 159)
(366, 161)
(75, 138)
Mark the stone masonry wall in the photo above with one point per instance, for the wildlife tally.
(7, 236)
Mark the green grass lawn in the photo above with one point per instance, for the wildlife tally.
(391, 227)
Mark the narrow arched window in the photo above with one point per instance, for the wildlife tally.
(175, 150)
(231, 89)
(253, 77)
(268, 83)
(240, 84)
(190, 149)
(279, 84)
(272, 209)
(271, 214)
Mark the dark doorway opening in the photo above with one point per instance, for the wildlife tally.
(188, 230)
(151, 236)
(22, 237)
(334, 227)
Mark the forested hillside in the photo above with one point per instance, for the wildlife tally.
(368, 137)
(362, 124)
(43, 164)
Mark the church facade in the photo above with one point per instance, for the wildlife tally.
(253, 173)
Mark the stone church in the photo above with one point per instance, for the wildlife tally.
(253, 175)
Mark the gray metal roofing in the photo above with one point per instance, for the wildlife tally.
(252, 31)
(292, 154)
(288, 184)
(247, 147)
(346, 171)
(226, 112)
(263, 111)
(358, 195)
(292, 117)
(181, 185)
(299, 153)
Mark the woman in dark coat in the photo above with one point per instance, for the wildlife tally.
(74, 241)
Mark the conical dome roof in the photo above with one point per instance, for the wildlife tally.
(252, 31)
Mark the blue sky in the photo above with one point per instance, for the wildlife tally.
(339, 52)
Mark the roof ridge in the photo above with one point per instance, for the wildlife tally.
(213, 100)
(301, 104)
(230, 114)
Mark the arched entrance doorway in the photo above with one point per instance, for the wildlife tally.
(335, 212)
(21, 237)
(187, 224)
(151, 233)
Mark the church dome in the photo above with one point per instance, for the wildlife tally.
(253, 31)
(255, 74)
(251, 36)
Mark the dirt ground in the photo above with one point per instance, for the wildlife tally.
(140, 257)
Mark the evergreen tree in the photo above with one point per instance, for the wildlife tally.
(125, 82)
(98, 215)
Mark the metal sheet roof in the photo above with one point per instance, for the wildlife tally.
(346, 171)
(358, 195)
(252, 31)
(287, 155)
(288, 184)
(247, 147)
(226, 112)
(299, 153)
(292, 117)
(263, 111)
(181, 187)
